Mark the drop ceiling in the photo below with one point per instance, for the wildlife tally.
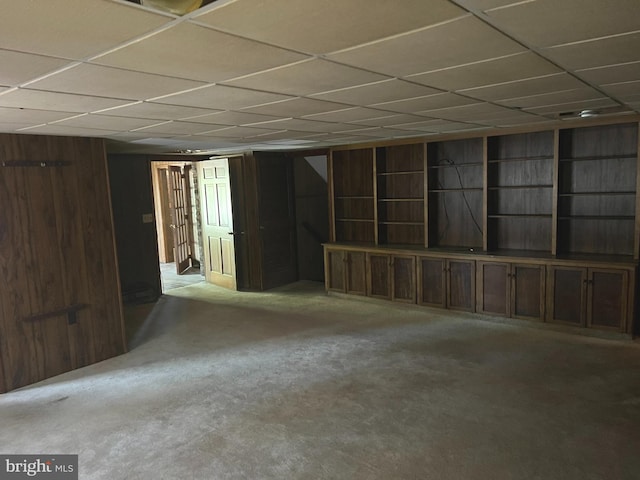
(282, 74)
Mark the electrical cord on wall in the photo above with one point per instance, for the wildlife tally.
(464, 197)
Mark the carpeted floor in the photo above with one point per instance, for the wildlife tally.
(293, 384)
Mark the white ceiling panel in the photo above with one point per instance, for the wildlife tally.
(73, 28)
(482, 5)
(232, 118)
(327, 26)
(307, 77)
(488, 72)
(597, 53)
(543, 23)
(384, 91)
(65, 102)
(296, 107)
(624, 91)
(577, 95)
(304, 125)
(87, 79)
(573, 106)
(454, 43)
(626, 72)
(349, 115)
(30, 117)
(55, 129)
(105, 122)
(156, 111)
(26, 66)
(176, 128)
(520, 88)
(206, 55)
(474, 112)
(390, 120)
(239, 132)
(221, 97)
(431, 102)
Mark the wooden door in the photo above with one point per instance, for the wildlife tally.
(356, 263)
(431, 282)
(493, 280)
(335, 277)
(277, 221)
(461, 285)
(607, 294)
(403, 276)
(379, 278)
(180, 206)
(566, 299)
(527, 291)
(217, 222)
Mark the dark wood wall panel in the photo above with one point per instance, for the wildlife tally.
(60, 299)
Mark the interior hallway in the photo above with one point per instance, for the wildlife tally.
(294, 384)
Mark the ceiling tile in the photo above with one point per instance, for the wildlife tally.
(87, 79)
(430, 102)
(304, 125)
(349, 115)
(597, 53)
(486, 4)
(472, 112)
(65, 102)
(551, 22)
(572, 106)
(105, 122)
(232, 118)
(623, 91)
(553, 98)
(488, 72)
(307, 77)
(239, 132)
(311, 26)
(206, 54)
(32, 117)
(176, 128)
(384, 91)
(626, 72)
(75, 29)
(26, 66)
(221, 98)
(156, 111)
(522, 88)
(55, 129)
(454, 43)
(390, 120)
(296, 107)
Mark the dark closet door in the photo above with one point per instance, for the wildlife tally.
(276, 220)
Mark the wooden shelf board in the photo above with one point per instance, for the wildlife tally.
(363, 220)
(595, 194)
(407, 172)
(520, 187)
(520, 159)
(625, 156)
(401, 200)
(354, 197)
(597, 217)
(447, 190)
(520, 215)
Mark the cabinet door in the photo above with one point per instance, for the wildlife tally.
(379, 280)
(404, 278)
(527, 291)
(607, 298)
(431, 282)
(461, 285)
(566, 300)
(356, 273)
(493, 280)
(335, 270)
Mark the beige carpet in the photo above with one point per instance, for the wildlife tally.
(292, 384)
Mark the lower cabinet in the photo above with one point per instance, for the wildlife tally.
(392, 277)
(446, 283)
(551, 290)
(346, 271)
(511, 289)
(589, 297)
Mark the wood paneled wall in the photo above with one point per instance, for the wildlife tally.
(60, 304)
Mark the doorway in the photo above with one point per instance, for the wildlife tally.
(177, 216)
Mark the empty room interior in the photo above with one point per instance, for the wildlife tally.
(330, 239)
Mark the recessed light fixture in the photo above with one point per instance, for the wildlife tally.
(588, 113)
